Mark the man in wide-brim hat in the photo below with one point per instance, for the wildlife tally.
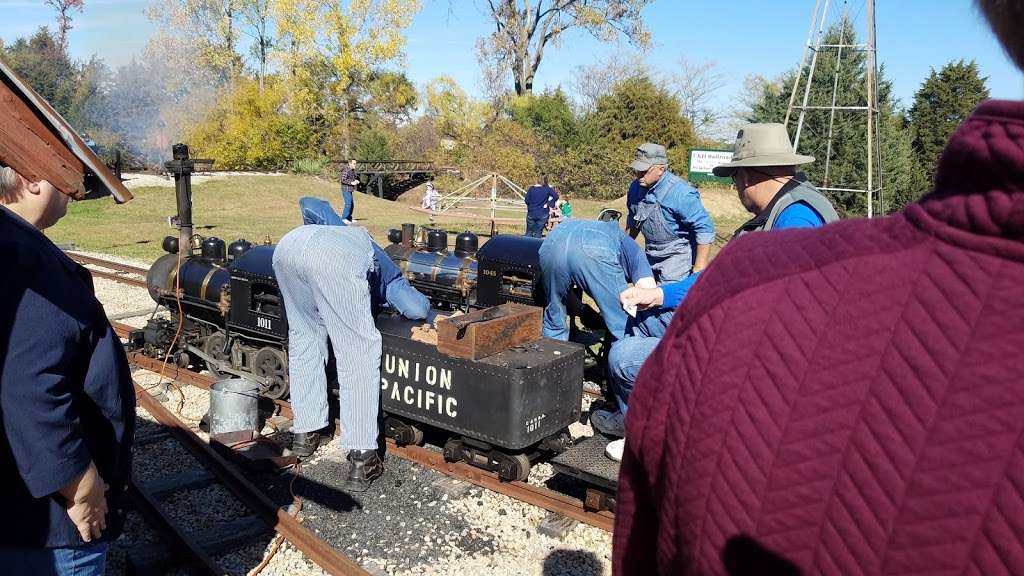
(763, 170)
(67, 405)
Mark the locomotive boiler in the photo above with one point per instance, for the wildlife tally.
(234, 317)
(505, 269)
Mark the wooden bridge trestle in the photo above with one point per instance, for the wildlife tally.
(389, 179)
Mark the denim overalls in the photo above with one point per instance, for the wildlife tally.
(669, 253)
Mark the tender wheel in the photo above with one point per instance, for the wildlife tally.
(214, 347)
(514, 467)
(270, 365)
(417, 436)
(403, 433)
(452, 451)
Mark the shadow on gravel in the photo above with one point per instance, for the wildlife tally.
(330, 497)
(576, 562)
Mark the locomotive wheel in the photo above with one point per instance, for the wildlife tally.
(270, 365)
(452, 450)
(214, 347)
(403, 433)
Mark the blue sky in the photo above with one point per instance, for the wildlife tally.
(742, 36)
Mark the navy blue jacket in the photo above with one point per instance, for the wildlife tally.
(539, 198)
(66, 393)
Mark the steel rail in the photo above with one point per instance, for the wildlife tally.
(118, 278)
(534, 495)
(541, 497)
(332, 561)
(196, 560)
(118, 269)
(128, 268)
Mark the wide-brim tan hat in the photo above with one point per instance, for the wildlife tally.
(761, 145)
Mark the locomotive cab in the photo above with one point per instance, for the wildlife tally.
(509, 271)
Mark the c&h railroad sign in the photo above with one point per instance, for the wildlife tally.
(702, 161)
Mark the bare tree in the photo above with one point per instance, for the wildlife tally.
(208, 25)
(64, 9)
(695, 84)
(754, 88)
(524, 28)
(595, 80)
(256, 15)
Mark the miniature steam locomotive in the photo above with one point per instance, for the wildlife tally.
(505, 408)
(234, 314)
(227, 315)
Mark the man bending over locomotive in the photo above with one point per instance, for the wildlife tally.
(328, 278)
(388, 288)
(599, 258)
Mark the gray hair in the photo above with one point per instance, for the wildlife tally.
(8, 182)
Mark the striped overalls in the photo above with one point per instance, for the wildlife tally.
(322, 272)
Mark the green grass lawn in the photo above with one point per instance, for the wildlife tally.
(257, 207)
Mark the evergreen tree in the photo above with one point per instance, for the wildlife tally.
(944, 100)
(636, 111)
(371, 144)
(42, 63)
(843, 164)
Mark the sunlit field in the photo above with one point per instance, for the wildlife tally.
(262, 207)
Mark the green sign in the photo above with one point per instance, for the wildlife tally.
(702, 161)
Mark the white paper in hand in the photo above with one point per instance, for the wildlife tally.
(630, 309)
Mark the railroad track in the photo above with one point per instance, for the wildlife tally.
(196, 550)
(123, 273)
(549, 500)
(537, 496)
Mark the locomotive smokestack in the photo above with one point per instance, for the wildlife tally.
(182, 166)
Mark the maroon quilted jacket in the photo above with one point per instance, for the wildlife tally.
(846, 400)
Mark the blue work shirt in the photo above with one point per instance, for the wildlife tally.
(797, 215)
(387, 285)
(680, 204)
(66, 394)
(539, 199)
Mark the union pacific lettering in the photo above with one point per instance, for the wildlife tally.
(418, 385)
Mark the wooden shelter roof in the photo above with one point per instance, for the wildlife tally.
(40, 145)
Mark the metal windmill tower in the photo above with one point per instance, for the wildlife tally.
(817, 45)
